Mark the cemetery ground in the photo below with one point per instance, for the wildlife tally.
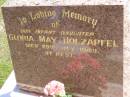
(5, 60)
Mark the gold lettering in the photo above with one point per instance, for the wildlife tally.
(47, 39)
(94, 23)
(41, 14)
(115, 44)
(80, 17)
(68, 40)
(90, 42)
(66, 13)
(20, 37)
(88, 50)
(31, 45)
(22, 20)
(48, 53)
(25, 31)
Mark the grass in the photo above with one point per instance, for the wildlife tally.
(5, 60)
(2, 1)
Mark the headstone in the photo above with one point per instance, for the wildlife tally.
(80, 46)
